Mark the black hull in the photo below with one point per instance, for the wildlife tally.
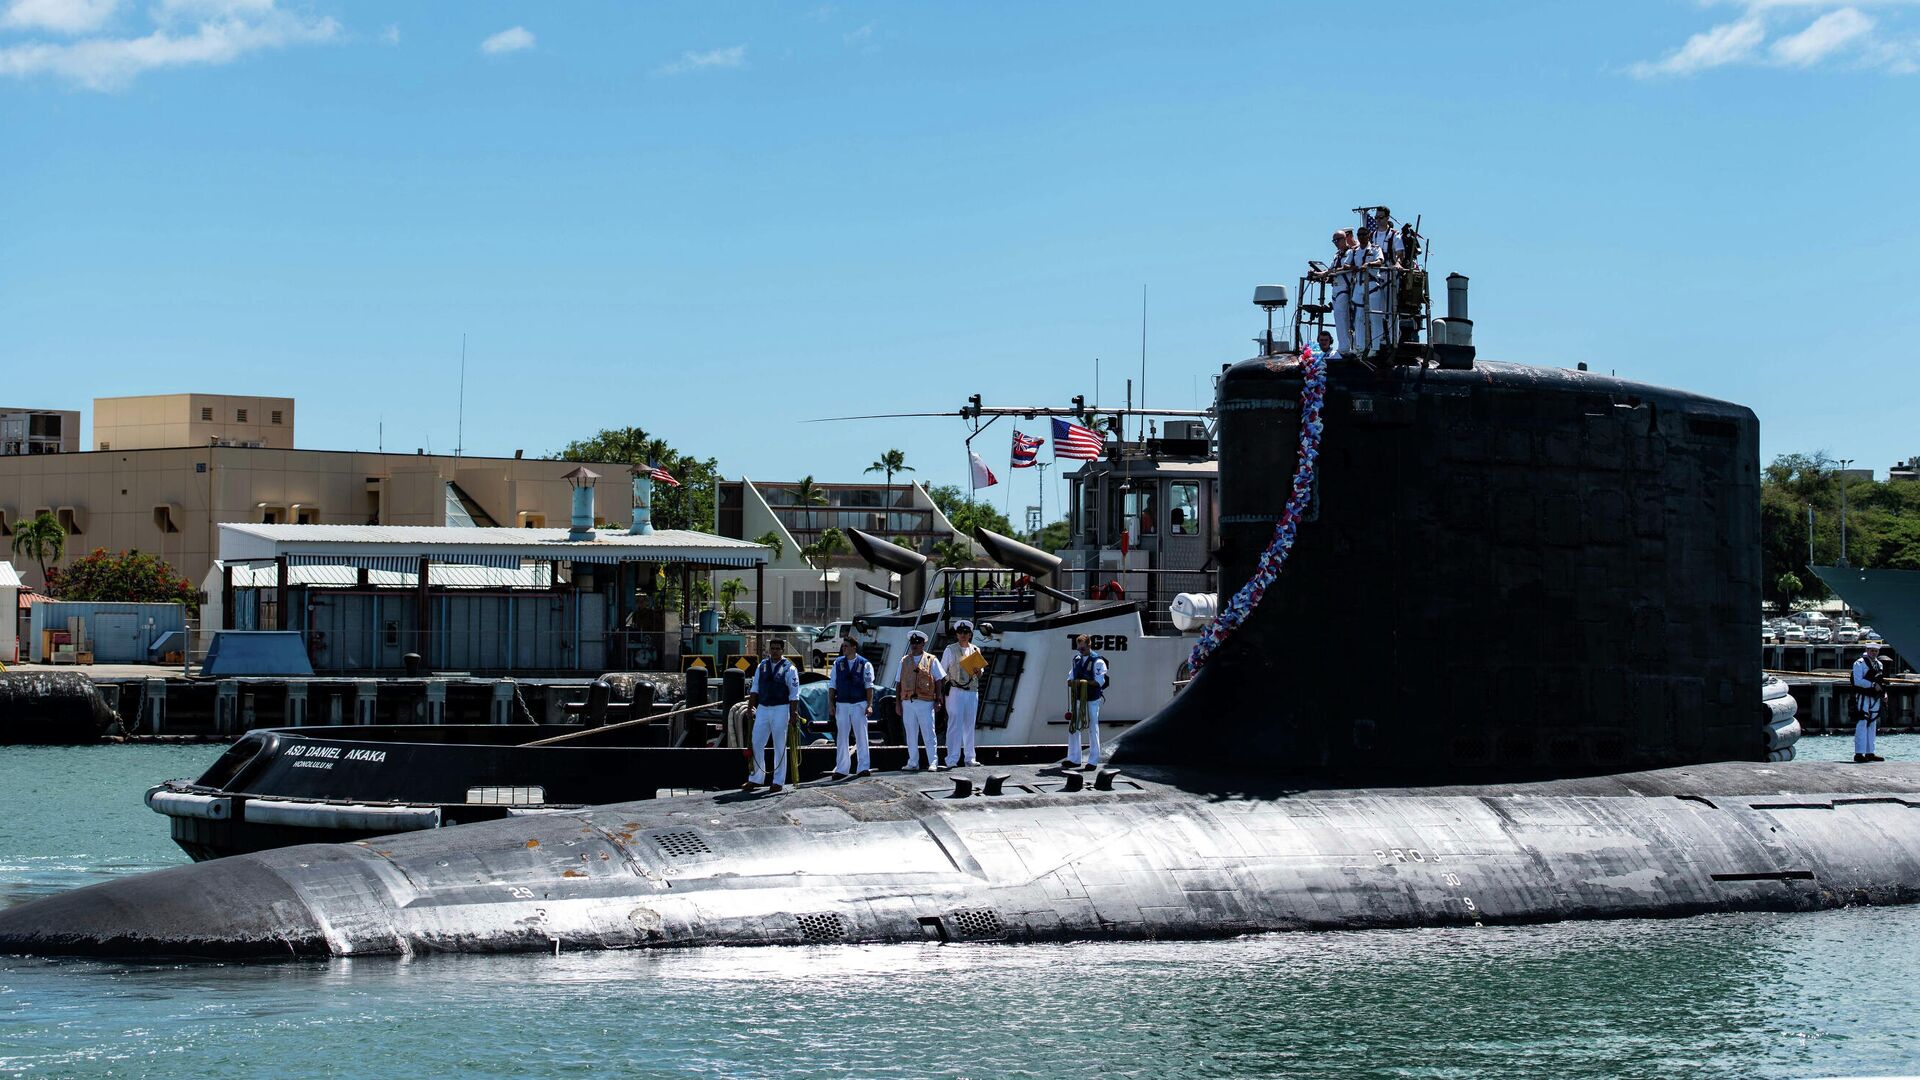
(276, 788)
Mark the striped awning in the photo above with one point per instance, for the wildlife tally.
(715, 559)
(405, 564)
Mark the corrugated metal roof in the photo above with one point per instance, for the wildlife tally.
(9, 577)
(263, 542)
(449, 575)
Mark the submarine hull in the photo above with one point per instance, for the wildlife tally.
(1161, 855)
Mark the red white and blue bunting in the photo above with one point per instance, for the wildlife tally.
(1312, 396)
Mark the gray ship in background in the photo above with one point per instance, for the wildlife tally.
(1889, 599)
(1507, 676)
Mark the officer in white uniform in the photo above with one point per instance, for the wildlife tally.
(1339, 278)
(850, 688)
(1868, 698)
(915, 684)
(775, 689)
(1370, 294)
(963, 697)
(1090, 667)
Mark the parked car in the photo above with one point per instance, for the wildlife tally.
(1793, 636)
(826, 644)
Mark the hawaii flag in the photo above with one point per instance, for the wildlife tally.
(1026, 450)
(1070, 440)
(982, 476)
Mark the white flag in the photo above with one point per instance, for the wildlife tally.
(982, 476)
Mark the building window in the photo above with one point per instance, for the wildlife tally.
(306, 515)
(276, 416)
(239, 416)
(106, 446)
(815, 606)
(206, 413)
(1184, 514)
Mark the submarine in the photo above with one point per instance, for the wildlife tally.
(1506, 674)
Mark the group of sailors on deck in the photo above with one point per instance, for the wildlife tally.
(953, 678)
(1364, 283)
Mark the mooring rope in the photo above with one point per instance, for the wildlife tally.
(1312, 395)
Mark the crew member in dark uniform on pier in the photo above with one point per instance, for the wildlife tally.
(776, 686)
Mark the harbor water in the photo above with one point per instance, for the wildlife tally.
(1741, 995)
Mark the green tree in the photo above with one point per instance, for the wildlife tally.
(771, 539)
(821, 552)
(808, 494)
(950, 553)
(40, 540)
(1789, 585)
(966, 513)
(1053, 537)
(130, 577)
(891, 462)
(689, 506)
(730, 592)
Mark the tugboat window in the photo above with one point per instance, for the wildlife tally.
(1184, 512)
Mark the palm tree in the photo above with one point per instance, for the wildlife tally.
(771, 538)
(820, 553)
(730, 591)
(893, 461)
(951, 552)
(41, 539)
(807, 493)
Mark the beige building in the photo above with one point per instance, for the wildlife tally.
(39, 431)
(168, 501)
(158, 421)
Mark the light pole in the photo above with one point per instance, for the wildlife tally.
(1844, 462)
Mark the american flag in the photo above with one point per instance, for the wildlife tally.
(660, 473)
(1026, 449)
(1070, 440)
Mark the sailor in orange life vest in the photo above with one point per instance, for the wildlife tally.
(851, 692)
(1090, 668)
(919, 680)
(776, 686)
(965, 666)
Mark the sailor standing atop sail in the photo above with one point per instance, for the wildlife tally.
(1086, 686)
(1339, 278)
(1371, 293)
(851, 692)
(917, 684)
(1869, 695)
(964, 663)
(776, 686)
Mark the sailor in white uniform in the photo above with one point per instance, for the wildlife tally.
(1868, 697)
(850, 688)
(1371, 294)
(915, 686)
(1086, 675)
(1339, 278)
(963, 697)
(775, 689)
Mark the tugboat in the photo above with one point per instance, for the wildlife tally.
(1555, 576)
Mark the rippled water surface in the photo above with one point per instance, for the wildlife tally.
(1736, 996)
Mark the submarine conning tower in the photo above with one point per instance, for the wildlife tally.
(1505, 572)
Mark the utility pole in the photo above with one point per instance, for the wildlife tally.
(1844, 462)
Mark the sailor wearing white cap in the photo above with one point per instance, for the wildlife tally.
(776, 686)
(964, 665)
(1370, 293)
(1086, 686)
(851, 691)
(1869, 695)
(1339, 276)
(915, 688)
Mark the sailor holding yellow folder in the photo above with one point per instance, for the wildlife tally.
(964, 665)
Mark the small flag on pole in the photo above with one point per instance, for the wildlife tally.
(1070, 440)
(982, 476)
(1026, 450)
(660, 473)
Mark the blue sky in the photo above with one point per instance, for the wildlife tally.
(716, 220)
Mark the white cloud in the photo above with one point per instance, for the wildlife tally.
(391, 35)
(861, 38)
(186, 33)
(1840, 33)
(1724, 44)
(732, 56)
(512, 39)
(58, 16)
(1828, 34)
